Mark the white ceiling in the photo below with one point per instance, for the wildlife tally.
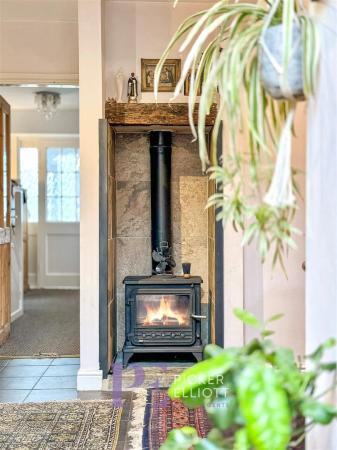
(23, 97)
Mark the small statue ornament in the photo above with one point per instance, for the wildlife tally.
(119, 85)
(132, 89)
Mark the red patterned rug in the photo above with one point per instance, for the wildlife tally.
(163, 414)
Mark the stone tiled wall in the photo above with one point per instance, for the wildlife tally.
(189, 218)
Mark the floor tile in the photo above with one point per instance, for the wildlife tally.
(18, 383)
(61, 371)
(29, 362)
(45, 395)
(13, 396)
(65, 361)
(57, 383)
(22, 371)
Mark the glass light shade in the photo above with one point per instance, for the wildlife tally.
(47, 103)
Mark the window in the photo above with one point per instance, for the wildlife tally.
(62, 185)
(29, 175)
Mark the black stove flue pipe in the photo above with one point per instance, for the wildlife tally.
(160, 156)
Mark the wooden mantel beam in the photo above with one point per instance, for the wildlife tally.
(147, 114)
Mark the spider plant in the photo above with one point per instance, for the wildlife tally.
(255, 181)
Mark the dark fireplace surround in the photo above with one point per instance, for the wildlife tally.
(162, 311)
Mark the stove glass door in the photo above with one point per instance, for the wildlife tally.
(163, 310)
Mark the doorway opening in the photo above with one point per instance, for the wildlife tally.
(45, 223)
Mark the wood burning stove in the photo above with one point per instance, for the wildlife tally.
(162, 311)
(162, 315)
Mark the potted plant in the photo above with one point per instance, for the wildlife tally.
(256, 60)
(256, 395)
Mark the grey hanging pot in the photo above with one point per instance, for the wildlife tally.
(270, 63)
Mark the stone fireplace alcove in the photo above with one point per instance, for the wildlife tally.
(125, 238)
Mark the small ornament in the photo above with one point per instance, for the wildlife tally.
(132, 89)
(187, 269)
(163, 257)
(119, 85)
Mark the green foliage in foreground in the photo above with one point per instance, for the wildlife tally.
(255, 396)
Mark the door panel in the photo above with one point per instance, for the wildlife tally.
(53, 240)
(5, 292)
(5, 246)
(58, 231)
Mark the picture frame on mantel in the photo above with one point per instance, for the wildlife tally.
(169, 76)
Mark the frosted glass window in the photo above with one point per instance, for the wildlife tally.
(29, 176)
(62, 185)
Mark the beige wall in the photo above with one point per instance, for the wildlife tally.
(258, 287)
(286, 294)
(39, 41)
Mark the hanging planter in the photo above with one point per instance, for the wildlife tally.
(258, 59)
(271, 64)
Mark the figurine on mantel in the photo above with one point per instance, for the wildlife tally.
(119, 85)
(132, 89)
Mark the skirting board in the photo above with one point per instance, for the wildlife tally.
(89, 380)
(16, 314)
(32, 282)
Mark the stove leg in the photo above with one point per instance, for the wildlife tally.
(126, 358)
(197, 356)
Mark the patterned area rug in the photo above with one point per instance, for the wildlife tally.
(80, 425)
(163, 414)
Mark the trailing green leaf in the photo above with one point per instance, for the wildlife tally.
(319, 412)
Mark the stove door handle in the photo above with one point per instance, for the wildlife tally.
(196, 317)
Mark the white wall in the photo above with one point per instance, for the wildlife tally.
(38, 41)
(33, 122)
(137, 29)
(321, 283)
(92, 97)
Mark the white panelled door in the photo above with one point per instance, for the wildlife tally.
(54, 213)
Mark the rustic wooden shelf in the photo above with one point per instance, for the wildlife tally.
(152, 114)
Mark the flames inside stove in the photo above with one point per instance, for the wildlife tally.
(163, 310)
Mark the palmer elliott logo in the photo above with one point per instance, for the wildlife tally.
(212, 389)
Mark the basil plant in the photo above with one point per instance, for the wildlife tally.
(256, 396)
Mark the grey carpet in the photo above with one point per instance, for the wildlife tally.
(49, 325)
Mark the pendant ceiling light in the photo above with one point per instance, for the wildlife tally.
(47, 103)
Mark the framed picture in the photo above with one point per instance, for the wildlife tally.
(168, 78)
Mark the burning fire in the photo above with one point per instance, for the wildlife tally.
(164, 314)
